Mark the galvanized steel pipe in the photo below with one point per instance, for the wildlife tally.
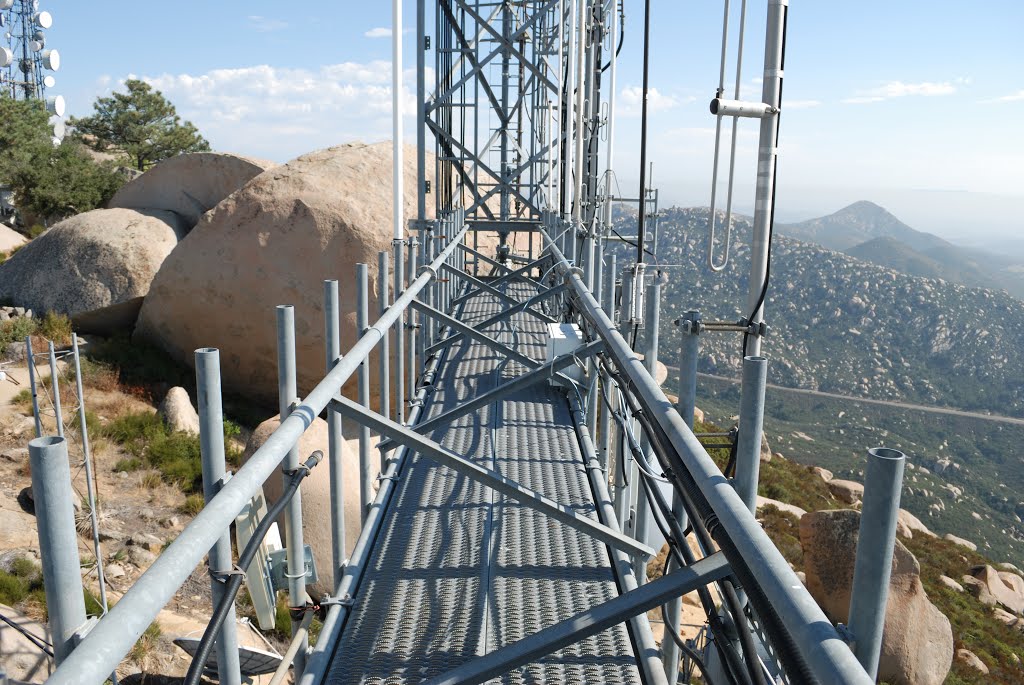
(211, 449)
(110, 640)
(816, 640)
(58, 544)
(883, 483)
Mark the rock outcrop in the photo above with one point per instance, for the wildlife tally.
(917, 643)
(274, 242)
(189, 185)
(847, 491)
(316, 496)
(781, 506)
(1006, 588)
(178, 411)
(95, 267)
(960, 541)
(10, 239)
(907, 524)
(971, 659)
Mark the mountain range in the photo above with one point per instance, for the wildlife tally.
(870, 233)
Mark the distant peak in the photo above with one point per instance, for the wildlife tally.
(864, 207)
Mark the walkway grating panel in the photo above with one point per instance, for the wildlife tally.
(459, 571)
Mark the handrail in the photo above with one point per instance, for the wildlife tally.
(102, 650)
(816, 640)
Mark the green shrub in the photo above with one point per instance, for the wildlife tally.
(175, 455)
(55, 327)
(23, 582)
(128, 465)
(36, 230)
(192, 505)
(15, 331)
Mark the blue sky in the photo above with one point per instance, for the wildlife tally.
(916, 105)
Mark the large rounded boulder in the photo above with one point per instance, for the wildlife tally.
(189, 185)
(274, 242)
(917, 641)
(94, 267)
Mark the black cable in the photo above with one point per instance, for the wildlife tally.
(781, 639)
(673, 631)
(681, 550)
(39, 642)
(643, 131)
(631, 243)
(730, 467)
(705, 537)
(195, 669)
(775, 184)
(622, 36)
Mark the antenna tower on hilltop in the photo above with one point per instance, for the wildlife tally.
(25, 58)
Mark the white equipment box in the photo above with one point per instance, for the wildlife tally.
(564, 338)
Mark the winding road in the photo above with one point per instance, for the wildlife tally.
(887, 403)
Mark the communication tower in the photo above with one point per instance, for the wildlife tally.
(25, 58)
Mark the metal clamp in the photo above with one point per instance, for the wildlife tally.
(346, 601)
(756, 329)
(428, 268)
(223, 576)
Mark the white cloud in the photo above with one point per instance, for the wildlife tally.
(800, 104)
(898, 89)
(280, 113)
(630, 103)
(266, 24)
(379, 32)
(1012, 97)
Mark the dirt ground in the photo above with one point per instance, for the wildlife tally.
(138, 516)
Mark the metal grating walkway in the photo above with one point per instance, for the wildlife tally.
(458, 571)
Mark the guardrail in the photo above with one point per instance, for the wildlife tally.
(106, 644)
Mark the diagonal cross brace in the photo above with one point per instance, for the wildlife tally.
(489, 478)
(504, 314)
(529, 378)
(479, 255)
(471, 332)
(483, 286)
(587, 623)
(518, 273)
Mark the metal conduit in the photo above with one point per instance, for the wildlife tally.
(816, 640)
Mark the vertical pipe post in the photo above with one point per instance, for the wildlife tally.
(211, 449)
(83, 430)
(748, 443)
(604, 422)
(287, 391)
(383, 302)
(652, 317)
(33, 386)
(764, 194)
(689, 352)
(366, 474)
(55, 388)
(421, 121)
(398, 137)
(883, 483)
(690, 348)
(398, 246)
(58, 541)
(413, 322)
(335, 436)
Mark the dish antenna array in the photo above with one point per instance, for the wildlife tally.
(25, 58)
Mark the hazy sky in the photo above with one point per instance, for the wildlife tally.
(916, 105)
